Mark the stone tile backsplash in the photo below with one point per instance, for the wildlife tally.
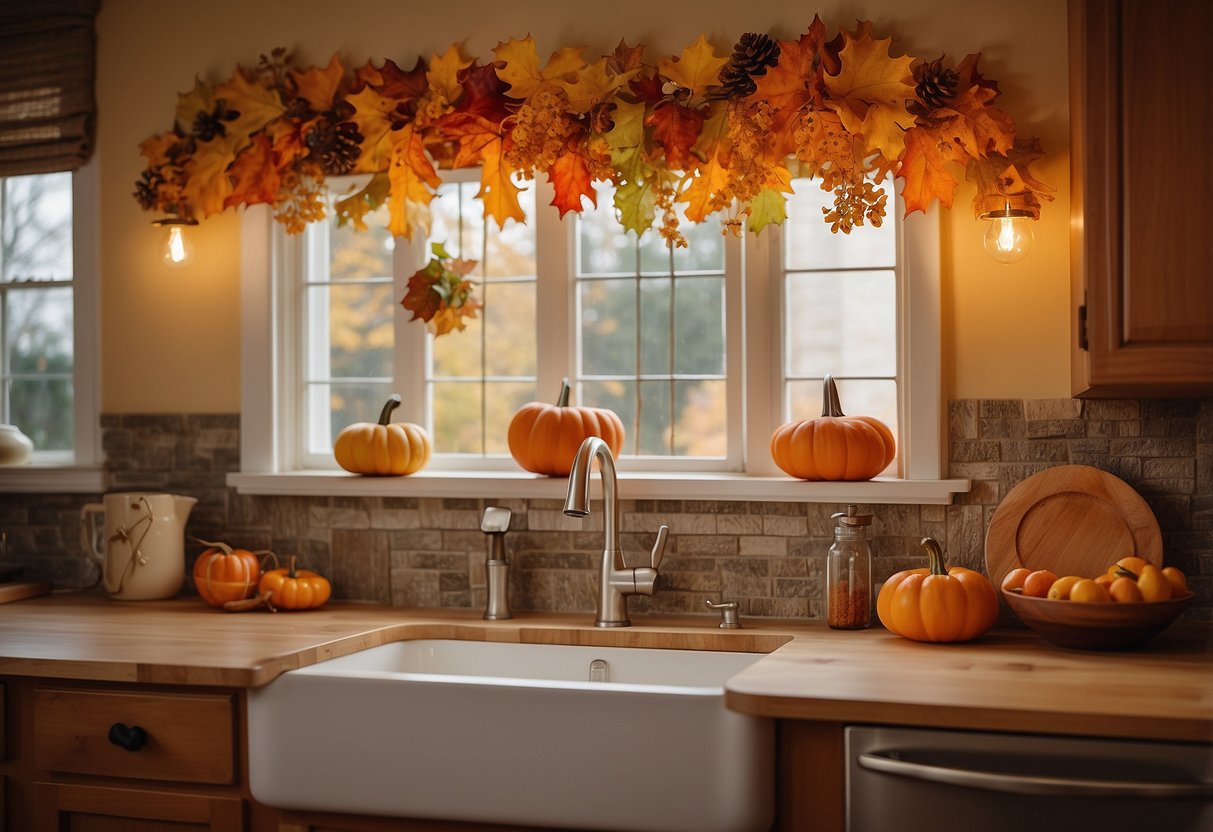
(769, 556)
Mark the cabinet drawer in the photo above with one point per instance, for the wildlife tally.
(184, 737)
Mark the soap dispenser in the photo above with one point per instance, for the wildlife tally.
(849, 572)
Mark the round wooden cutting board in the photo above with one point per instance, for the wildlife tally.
(1072, 520)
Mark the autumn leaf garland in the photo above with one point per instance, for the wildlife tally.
(704, 132)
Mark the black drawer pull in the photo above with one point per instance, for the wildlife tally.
(132, 738)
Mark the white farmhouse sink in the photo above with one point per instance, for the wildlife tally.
(609, 738)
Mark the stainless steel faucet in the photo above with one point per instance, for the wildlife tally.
(495, 523)
(615, 580)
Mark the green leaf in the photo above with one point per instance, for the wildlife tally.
(440, 251)
(769, 207)
(636, 202)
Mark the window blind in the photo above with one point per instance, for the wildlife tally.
(47, 69)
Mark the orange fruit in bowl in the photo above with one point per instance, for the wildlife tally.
(1153, 584)
(1124, 590)
(1132, 563)
(1179, 583)
(1086, 591)
(1013, 582)
(1060, 590)
(1107, 579)
(1037, 584)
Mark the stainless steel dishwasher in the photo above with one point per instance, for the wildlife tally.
(917, 779)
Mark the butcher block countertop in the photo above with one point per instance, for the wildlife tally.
(1009, 680)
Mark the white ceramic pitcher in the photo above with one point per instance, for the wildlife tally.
(142, 553)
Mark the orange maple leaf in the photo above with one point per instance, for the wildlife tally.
(571, 180)
(871, 90)
(1006, 181)
(497, 189)
(676, 128)
(256, 180)
(795, 82)
(318, 87)
(413, 180)
(924, 170)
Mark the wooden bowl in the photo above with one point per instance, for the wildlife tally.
(1094, 626)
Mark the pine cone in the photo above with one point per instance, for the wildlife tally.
(752, 55)
(336, 146)
(207, 126)
(935, 86)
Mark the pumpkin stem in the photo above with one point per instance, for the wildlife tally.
(290, 568)
(935, 554)
(563, 399)
(830, 406)
(227, 550)
(393, 402)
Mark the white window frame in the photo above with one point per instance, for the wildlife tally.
(266, 467)
(80, 471)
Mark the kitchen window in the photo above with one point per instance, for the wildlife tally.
(48, 332)
(677, 343)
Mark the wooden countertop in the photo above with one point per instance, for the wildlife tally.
(1010, 680)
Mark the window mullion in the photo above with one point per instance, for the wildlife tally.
(409, 354)
(756, 346)
(555, 266)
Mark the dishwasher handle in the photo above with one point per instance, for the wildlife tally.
(890, 763)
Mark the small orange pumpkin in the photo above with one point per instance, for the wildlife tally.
(291, 588)
(544, 438)
(834, 446)
(385, 448)
(223, 574)
(937, 604)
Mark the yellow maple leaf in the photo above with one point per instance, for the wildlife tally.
(373, 113)
(521, 66)
(697, 69)
(156, 148)
(870, 91)
(319, 86)
(412, 177)
(201, 99)
(592, 85)
(256, 104)
(207, 185)
(443, 73)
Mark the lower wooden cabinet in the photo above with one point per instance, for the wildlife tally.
(101, 808)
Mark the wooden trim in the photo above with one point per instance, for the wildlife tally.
(810, 791)
(52, 801)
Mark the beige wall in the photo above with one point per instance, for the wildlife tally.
(171, 339)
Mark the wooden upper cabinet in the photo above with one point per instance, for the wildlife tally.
(1141, 115)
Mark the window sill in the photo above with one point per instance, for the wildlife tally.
(52, 479)
(632, 486)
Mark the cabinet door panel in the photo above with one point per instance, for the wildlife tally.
(98, 809)
(1142, 255)
(189, 737)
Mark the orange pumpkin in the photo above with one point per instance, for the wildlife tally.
(937, 604)
(291, 588)
(223, 574)
(385, 448)
(834, 446)
(544, 438)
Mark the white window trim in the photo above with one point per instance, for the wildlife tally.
(919, 350)
(83, 473)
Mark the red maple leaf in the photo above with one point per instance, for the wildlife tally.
(676, 128)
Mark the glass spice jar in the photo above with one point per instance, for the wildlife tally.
(849, 572)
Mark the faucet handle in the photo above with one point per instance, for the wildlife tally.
(659, 546)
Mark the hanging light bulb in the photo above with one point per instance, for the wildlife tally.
(1009, 237)
(176, 250)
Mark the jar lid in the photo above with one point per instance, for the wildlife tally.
(852, 518)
